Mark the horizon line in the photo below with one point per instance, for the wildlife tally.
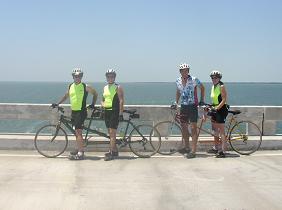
(145, 81)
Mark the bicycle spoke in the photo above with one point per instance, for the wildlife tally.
(245, 137)
(171, 137)
(50, 141)
(144, 141)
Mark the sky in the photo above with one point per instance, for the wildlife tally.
(143, 40)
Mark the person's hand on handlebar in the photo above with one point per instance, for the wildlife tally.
(213, 109)
(54, 105)
(91, 106)
(173, 105)
(202, 103)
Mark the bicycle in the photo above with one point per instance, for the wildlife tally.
(52, 140)
(244, 136)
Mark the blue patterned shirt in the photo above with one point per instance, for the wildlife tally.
(188, 93)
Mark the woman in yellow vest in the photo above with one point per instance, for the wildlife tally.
(220, 108)
(77, 93)
(113, 102)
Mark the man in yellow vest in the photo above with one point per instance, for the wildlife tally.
(77, 92)
(113, 102)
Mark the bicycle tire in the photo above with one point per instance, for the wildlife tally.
(245, 137)
(146, 145)
(171, 137)
(51, 141)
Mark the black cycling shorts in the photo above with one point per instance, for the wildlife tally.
(220, 115)
(111, 119)
(189, 112)
(78, 118)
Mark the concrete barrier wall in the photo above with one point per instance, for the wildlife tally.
(265, 116)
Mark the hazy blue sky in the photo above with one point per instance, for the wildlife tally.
(144, 40)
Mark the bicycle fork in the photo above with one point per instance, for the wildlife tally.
(57, 131)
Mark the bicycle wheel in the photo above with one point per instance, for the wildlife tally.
(245, 137)
(171, 137)
(144, 141)
(51, 141)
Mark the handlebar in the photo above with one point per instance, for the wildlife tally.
(60, 109)
(202, 104)
(205, 106)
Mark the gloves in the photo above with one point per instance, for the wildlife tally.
(54, 105)
(91, 106)
(201, 103)
(213, 110)
(120, 118)
(174, 106)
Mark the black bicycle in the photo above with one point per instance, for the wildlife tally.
(52, 140)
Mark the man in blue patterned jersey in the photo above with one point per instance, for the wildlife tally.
(187, 93)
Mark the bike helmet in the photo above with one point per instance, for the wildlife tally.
(184, 66)
(216, 73)
(111, 71)
(77, 71)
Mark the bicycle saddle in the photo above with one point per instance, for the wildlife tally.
(234, 112)
(130, 111)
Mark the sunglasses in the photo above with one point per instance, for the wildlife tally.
(110, 76)
(76, 76)
(214, 78)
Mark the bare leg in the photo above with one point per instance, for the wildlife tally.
(194, 137)
(222, 135)
(216, 138)
(113, 133)
(222, 144)
(185, 134)
(79, 140)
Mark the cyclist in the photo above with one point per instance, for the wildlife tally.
(112, 102)
(77, 92)
(187, 91)
(219, 113)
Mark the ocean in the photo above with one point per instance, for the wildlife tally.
(139, 93)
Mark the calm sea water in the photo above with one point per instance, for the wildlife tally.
(141, 93)
(135, 93)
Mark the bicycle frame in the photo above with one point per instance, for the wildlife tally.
(177, 119)
(124, 138)
(66, 121)
(228, 127)
(141, 145)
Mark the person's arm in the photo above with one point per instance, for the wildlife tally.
(223, 96)
(65, 97)
(177, 96)
(91, 90)
(121, 99)
(202, 88)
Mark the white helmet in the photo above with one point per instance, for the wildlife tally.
(184, 66)
(111, 71)
(216, 73)
(77, 71)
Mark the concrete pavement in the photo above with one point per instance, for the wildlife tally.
(30, 181)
